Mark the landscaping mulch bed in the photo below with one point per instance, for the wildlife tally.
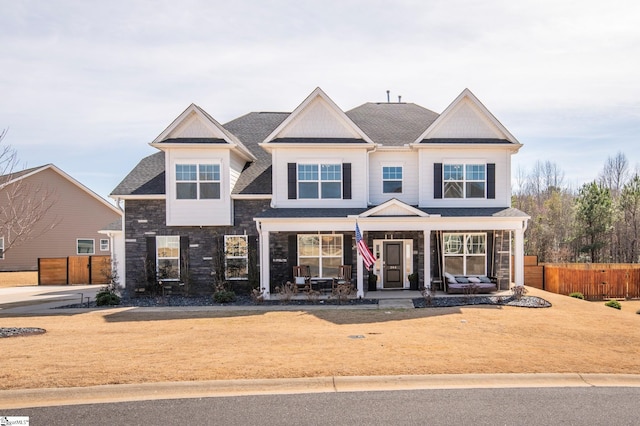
(445, 302)
(20, 331)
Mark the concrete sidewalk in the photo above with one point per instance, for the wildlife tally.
(24, 398)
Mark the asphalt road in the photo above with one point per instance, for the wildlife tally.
(514, 406)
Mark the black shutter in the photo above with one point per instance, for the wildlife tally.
(437, 180)
(491, 181)
(292, 250)
(150, 261)
(292, 181)
(346, 181)
(347, 242)
(184, 258)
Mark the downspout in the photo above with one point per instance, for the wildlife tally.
(375, 148)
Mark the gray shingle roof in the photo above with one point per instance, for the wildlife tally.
(465, 140)
(252, 129)
(146, 178)
(392, 124)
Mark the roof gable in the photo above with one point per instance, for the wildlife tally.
(393, 207)
(466, 118)
(27, 173)
(318, 118)
(196, 126)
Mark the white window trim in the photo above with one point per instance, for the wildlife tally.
(93, 251)
(169, 257)
(383, 180)
(319, 181)
(227, 257)
(197, 181)
(465, 254)
(464, 181)
(104, 247)
(320, 257)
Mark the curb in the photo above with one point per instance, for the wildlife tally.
(25, 398)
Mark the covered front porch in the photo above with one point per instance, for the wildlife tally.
(407, 242)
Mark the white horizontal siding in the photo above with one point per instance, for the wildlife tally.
(409, 162)
(357, 157)
(198, 212)
(236, 166)
(500, 157)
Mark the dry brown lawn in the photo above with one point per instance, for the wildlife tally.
(18, 279)
(130, 346)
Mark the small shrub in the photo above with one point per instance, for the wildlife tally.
(286, 291)
(312, 295)
(341, 292)
(224, 296)
(577, 295)
(106, 297)
(613, 304)
(257, 296)
(519, 291)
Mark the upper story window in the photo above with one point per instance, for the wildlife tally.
(391, 179)
(104, 245)
(197, 181)
(320, 181)
(464, 180)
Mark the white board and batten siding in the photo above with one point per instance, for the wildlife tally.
(198, 212)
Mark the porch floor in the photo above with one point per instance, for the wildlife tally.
(397, 294)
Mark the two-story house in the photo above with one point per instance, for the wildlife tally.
(251, 199)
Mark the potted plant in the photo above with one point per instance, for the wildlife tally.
(373, 281)
(413, 281)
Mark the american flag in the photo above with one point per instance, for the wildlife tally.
(364, 251)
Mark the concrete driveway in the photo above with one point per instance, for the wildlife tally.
(31, 299)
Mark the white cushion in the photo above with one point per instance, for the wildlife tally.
(474, 280)
(300, 280)
(450, 278)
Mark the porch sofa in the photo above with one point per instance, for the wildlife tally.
(469, 284)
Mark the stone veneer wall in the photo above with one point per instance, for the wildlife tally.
(147, 218)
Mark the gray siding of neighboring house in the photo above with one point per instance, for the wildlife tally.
(146, 219)
(76, 214)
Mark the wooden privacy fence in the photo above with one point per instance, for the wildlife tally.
(597, 281)
(74, 270)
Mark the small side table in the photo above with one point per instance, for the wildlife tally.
(436, 284)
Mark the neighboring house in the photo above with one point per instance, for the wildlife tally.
(268, 191)
(68, 228)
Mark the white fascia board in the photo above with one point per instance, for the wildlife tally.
(139, 197)
(251, 196)
(513, 147)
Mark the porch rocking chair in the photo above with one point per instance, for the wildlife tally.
(344, 277)
(302, 276)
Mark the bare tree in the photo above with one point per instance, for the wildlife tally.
(24, 207)
(615, 173)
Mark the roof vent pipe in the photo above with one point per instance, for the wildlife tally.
(388, 97)
(399, 99)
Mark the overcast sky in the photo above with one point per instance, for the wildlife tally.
(86, 85)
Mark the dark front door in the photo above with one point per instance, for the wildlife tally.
(392, 264)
